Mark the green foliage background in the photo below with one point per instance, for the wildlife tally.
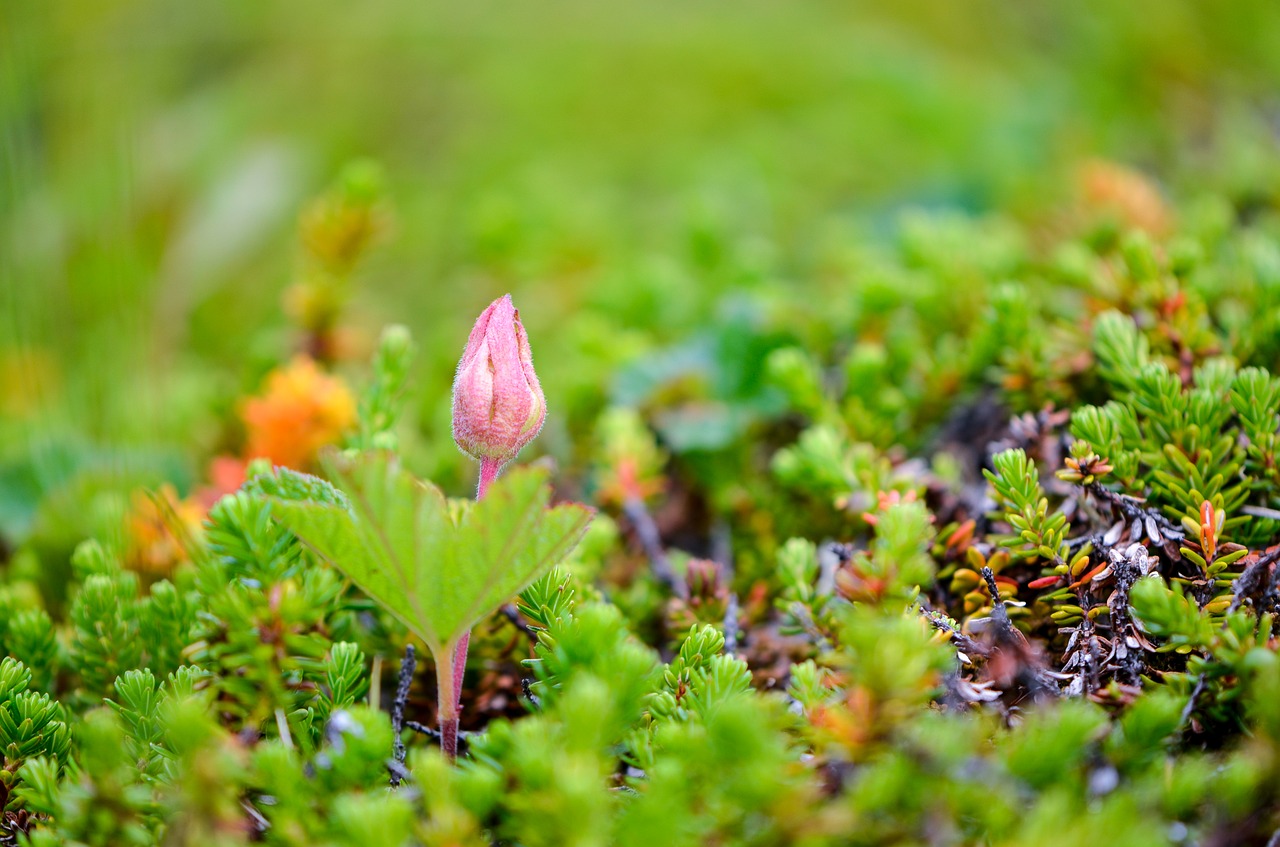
(626, 170)
(804, 272)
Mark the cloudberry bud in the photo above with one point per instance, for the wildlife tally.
(498, 405)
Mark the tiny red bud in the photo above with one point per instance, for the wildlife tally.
(498, 406)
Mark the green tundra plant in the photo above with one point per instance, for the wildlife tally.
(498, 408)
(1207, 433)
(265, 606)
(440, 566)
(928, 659)
(380, 404)
(31, 725)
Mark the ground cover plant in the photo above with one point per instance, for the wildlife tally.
(884, 450)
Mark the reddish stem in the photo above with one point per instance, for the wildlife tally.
(449, 738)
(459, 668)
(489, 470)
(447, 685)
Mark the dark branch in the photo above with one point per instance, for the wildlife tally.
(1187, 710)
(999, 613)
(1127, 572)
(1007, 638)
(651, 541)
(962, 642)
(511, 613)
(731, 625)
(433, 733)
(1256, 580)
(1162, 531)
(407, 667)
(526, 686)
(803, 617)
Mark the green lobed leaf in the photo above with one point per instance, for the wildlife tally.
(437, 568)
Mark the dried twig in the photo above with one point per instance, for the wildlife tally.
(1089, 652)
(1257, 580)
(256, 819)
(999, 613)
(511, 613)
(722, 555)
(1009, 640)
(527, 687)
(1189, 709)
(1094, 538)
(722, 547)
(433, 733)
(1254, 582)
(1261, 512)
(731, 625)
(1127, 572)
(407, 667)
(803, 617)
(962, 642)
(1162, 531)
(13, 825)
(651, 541)
(831, 556)
(1271, 599)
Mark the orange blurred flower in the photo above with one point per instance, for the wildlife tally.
(226, 474)
(300, 410)
(626, 481)
(157, 529)
(886, 500)
(1131, 196)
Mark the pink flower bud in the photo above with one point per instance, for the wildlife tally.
(498, 405)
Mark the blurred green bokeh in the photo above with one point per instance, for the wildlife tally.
(630, 172)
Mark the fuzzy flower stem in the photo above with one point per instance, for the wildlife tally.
(448, 684)
(489, 470)
(498, 408)
(460, 667)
